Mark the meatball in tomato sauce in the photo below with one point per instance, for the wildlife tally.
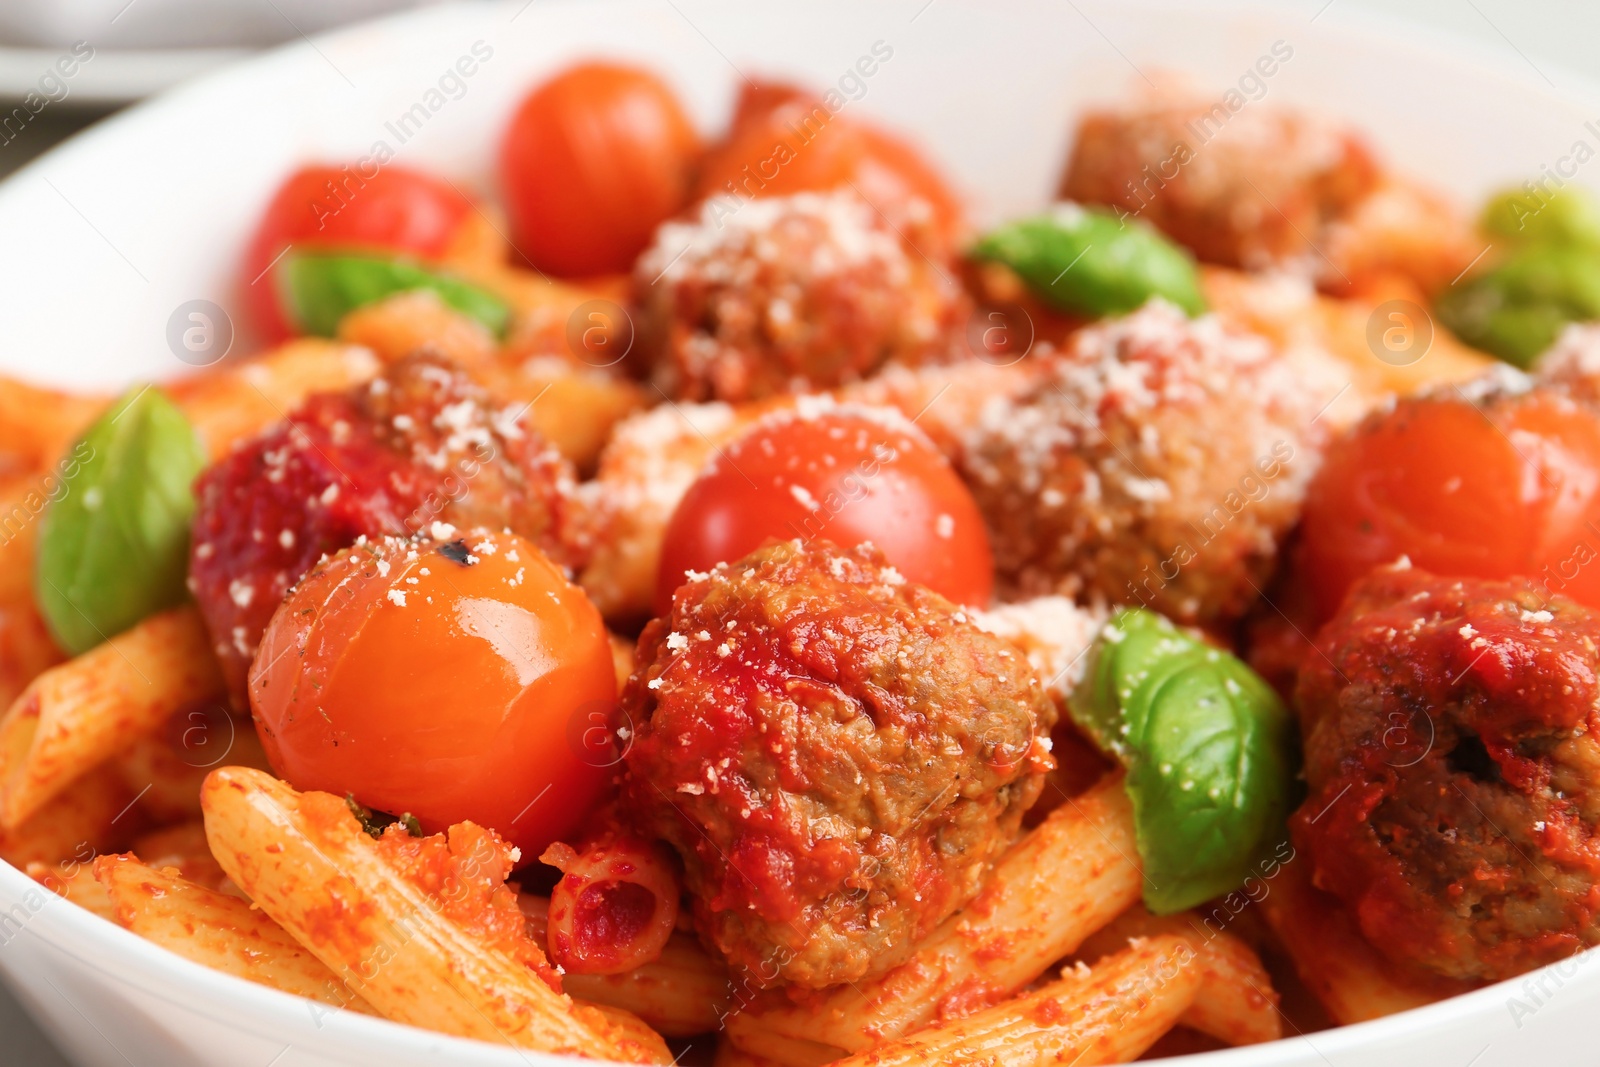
(419, 446)
(1454, 771)
(836, 753)
(787, 294)
(1161, 461)
(1252, 188)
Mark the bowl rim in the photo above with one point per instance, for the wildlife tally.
(122, 956)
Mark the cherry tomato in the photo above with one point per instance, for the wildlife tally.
(785, 141)
(594, 160)
(1508, 490)
(843, 477)
(450, 681)
(394, 209)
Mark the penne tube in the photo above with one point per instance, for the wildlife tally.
(26, 648)
(1022, 922)
(418, 320)
(304, 859)
(166, 767)
(74, 881)
(1235, 1004)
(184, 849)
(95, 814)
(682, 992)
(38, 425)
(240, 399)
(75, 716)
(1110, 1013)
(220, 931)
(731, 1055)
(1351, 979)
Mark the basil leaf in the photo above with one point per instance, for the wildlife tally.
(1086, 261)
(113, 548)
(319, 289)
(1205, 742)
(1516, 309)
(1567, 216)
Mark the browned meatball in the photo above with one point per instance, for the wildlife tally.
(1161, 461)
(837, 755)
(1453, 764)
(419, 450)
(1252, 187)
(787, 294)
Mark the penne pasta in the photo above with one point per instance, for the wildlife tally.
(75, 881)
(1018, 926)
(573, 405)
(184, 849)
(239, 400)
(75, 716)
(1352, 980)
(1109, 1013)
(220, 931)
(298, 855)
(166, 767)
(94, 815)
(37, 425)
(681, 992)
(730, 1055)
(649, 463)
(408, 322)
(1235, 1004)
(26, 648)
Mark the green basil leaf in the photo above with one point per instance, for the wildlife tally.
(1205, 742)
(1567, 216)
(1086, 261)
(1516, 309)
(320, 288)
(113, 548)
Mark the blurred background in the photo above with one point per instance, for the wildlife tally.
(120, 51)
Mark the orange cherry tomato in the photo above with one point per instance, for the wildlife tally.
(392, 209)
(454, 682)
(844, 477)
(785, 141)
(593, 161)
(1508, 490)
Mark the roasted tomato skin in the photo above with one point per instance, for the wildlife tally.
(785, 140)
(593, 161)
(395, 210)
(1508, 487)
(439, 679)
(841, 476)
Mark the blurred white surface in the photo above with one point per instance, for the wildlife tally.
(168, 24)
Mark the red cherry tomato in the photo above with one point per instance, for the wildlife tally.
(1508, 490)
(842, 477)
(394, 209)
(785, 141)
(594, 160)
(455, 682)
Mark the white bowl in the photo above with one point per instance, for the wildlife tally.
(109, 234)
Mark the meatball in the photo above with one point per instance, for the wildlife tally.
(1247, 188)
(1160, 460)
(837, 755)
(787, 294)
(1453, 764)
(413, 451)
